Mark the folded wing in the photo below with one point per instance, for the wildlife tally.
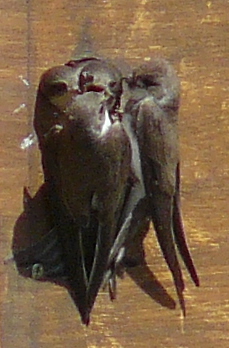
(153, 102)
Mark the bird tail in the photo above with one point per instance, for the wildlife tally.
(179, 234)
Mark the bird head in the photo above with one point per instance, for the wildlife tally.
(159, 79)
(80, 95)
(60, 85)
(102, 77)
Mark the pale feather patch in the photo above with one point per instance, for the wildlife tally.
(24, 80)
(21, 107)
(30, 140)
(57, 128)
(107, 123)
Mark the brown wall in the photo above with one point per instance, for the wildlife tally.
(194, 36)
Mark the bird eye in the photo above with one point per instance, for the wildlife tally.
(112, 84)
(58, 88)
(150, 80)
(88, 78)
(84, 79)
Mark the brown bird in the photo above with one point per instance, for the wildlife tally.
(110, 156)
(151, 96)
(86, 157)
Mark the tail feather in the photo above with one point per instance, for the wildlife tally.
(179, 233)
(162, 220)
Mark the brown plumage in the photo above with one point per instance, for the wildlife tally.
(151, 97)
(86, 159)
(110, 156)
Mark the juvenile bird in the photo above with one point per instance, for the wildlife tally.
(151, 96)
(86, 157)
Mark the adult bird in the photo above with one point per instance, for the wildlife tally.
(86, 158)
(151, 96)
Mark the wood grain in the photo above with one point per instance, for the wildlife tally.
(194, 36)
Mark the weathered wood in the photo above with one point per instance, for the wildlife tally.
(194, 36)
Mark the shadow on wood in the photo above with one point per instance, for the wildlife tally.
(39, 255)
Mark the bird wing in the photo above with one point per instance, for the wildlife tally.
(179, 233)
(159, 156)
(135, 194)
(51, 142)
(132, 212)
(158, 142)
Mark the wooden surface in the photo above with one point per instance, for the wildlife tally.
(194, 36)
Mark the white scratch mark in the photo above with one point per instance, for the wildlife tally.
(17, 110)
(25, 81)
(30, 140)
